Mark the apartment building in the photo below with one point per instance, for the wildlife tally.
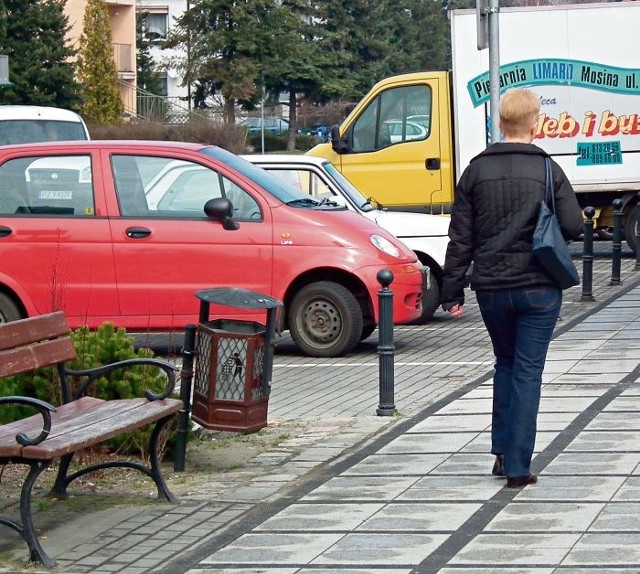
(122, 15)
(160, 18)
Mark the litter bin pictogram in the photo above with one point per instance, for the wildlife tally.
(234, 362)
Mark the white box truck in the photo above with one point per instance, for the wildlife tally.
(408, 140)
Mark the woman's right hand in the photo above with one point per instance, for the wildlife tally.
(456, 311)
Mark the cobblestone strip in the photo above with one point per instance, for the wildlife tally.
(144, 542)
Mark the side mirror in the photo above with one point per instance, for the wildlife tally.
(220, 209)
(338, 144)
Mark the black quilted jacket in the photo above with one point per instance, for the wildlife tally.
(494, 215)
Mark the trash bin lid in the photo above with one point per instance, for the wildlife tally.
(235, 297)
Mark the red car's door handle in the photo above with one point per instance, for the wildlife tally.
(138, 232)
(4, 231)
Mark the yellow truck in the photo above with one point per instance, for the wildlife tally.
(408, 140)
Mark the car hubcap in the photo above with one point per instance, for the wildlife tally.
(322, 321)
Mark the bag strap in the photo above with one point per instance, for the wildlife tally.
(548, 185)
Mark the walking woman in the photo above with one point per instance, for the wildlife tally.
(494, 215)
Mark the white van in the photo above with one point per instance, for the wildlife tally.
(28, 124)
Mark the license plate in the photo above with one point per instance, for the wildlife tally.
(55, 194)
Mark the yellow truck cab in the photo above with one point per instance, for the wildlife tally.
(397, 135)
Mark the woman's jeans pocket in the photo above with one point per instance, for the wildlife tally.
(543, 297)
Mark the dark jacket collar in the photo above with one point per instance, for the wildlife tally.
(510, 148)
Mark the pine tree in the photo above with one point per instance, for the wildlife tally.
(33, 35)
(291, 61)
(221, 38)
(97, 71)
(356, 34)
(421, 37)
(146, 69)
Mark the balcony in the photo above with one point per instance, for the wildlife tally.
(125, 66)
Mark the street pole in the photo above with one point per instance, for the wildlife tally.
(494, 69)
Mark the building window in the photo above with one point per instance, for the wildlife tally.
(164, 89)
(156, 26)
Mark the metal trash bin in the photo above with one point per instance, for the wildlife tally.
(233, 362)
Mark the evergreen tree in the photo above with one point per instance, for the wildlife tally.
(422, 37)
(290, 59)
(97, 68)
(147, 76)
(33, 35)
(357, 36)
(219, 37)
(150, 103)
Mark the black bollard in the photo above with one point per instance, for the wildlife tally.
(616, 259)
(186, 377)
(587, 256)
(386, 406)
(637, 232)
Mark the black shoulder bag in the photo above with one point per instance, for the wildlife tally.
(549, 246)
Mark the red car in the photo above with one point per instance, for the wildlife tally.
(128, 231)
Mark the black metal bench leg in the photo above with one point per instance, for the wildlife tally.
(37, 554)
(63, 479)
(156, 474)
(59, 488)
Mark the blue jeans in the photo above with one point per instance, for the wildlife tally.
(520, 323)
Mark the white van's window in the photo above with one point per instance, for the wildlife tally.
(396, 116)
(150, 186)
(47, 185)
(303, 179)
(30, 131)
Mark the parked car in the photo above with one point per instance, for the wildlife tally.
(274, 126)
(320, 132)
(400, 131)
(28, 124)
(426, 235)
(79, 233)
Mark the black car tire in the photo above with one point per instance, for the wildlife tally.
(325, 319)
(367, 330)
(8, 309)
(430, 301)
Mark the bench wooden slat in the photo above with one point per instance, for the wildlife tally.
(86, 419)
(32, 425)
(26, 331)
(86, 415)
(34, 356)
(107, 420)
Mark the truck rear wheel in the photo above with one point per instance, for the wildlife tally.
(605, 233)
(325, 319)
(631, 228)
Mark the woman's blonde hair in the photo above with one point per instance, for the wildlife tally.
(519, 110)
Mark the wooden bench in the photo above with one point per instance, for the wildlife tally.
(81, 422)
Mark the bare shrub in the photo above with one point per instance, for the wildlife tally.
(229, 137)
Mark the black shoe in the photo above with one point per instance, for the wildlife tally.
(498, 466)
(520, 481)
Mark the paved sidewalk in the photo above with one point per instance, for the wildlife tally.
(422, 499)
(364, 494)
